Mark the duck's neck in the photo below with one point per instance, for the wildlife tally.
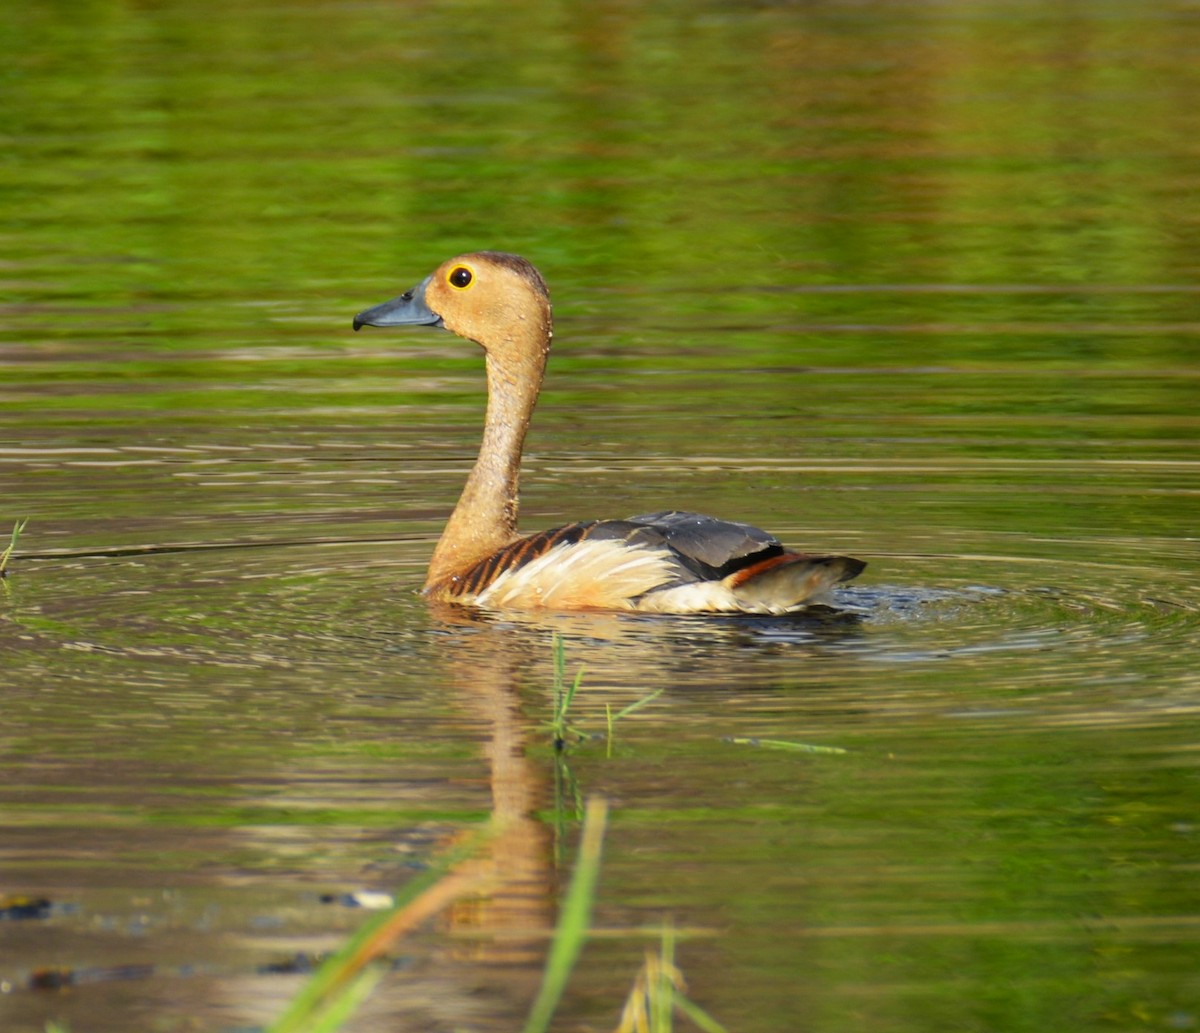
(485, 518)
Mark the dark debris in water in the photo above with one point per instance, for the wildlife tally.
(17, 909)
(62, 978)
(51, 978)
(298, 964)
(372, 900)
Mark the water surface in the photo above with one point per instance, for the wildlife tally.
(917, 284)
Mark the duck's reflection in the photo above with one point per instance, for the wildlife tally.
(489, 657)
(510, 924)
(482, 967)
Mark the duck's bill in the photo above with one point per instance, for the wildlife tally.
(407, 310)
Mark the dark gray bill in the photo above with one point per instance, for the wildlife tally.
(407, 310)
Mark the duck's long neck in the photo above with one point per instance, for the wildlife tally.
(485, 518)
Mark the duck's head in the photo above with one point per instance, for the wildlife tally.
(498, 300)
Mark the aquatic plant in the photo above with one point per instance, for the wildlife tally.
(15, 537)
(563, 694)
(612, 718)
(658, 994)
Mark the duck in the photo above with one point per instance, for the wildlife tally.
(668, 562)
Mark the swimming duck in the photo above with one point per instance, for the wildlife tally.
(668, 562)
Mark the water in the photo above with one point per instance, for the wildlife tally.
(914, 284)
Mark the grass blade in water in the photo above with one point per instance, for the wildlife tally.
(15, 537)
(783, 744)
(573, 921)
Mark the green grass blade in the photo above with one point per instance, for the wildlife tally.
(563, 694)
(638, 704)
(697, 1015)
(663, 994)
(15, 537)
(573, 921)
(612, 719)
(572, 690)
(560, 658)
(783, 744)
(343, 1005)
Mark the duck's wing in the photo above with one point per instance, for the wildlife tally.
(668, 562)
(711, 548)
(737, 568)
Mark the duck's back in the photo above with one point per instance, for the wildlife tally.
(669, 562)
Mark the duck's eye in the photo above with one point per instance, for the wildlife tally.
(460, 277)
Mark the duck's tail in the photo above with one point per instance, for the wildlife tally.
(790, 581)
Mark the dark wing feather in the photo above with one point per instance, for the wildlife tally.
(711, 548)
